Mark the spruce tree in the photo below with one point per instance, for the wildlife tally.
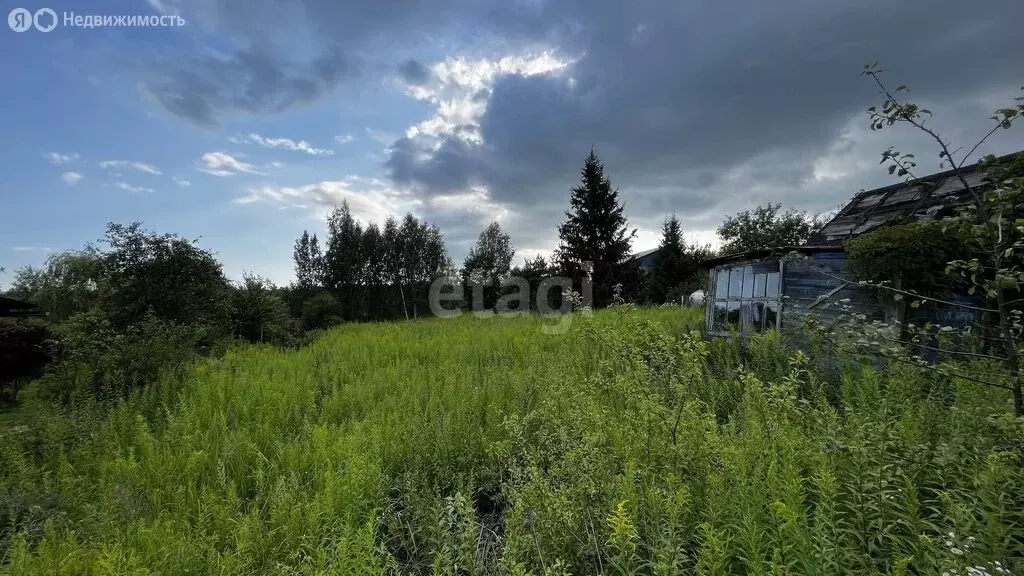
(596, 232)
(669, 270)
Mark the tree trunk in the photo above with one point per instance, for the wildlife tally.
(402, 292)
(1010, 349)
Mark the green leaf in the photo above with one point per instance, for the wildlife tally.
(915, 304)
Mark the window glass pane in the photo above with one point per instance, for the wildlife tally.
(735, 282)
(759, 284)
(722, 283)
(732, 318)
(750, 316)
(771, 314)
(748, 281)
(718, 315)
(772, 289)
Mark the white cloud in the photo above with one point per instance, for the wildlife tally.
(143, 167)
(31, 249)
(455, 84)
(72, 177)
(285, 143)
(371, 204)
(223, 164)
(345, 138)
(140, 166)
(58, 159)
(133, 189)
(180, 182)
(475, 201)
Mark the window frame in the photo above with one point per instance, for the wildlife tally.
(727, 300)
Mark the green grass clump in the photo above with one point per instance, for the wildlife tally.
(627, 445)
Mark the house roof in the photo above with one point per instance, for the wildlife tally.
(925, 198)
(640, 255)
(10, 307)
(769, 253)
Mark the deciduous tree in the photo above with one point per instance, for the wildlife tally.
(767, 227)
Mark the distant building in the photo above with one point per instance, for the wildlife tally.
(11, 308)
(760, 290)
(645, 260)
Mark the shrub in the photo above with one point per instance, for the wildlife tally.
(917, 253)
(320, 311)
(107, 364)
(257, 313)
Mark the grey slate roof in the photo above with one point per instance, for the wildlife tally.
(925, 198)
(640, 255)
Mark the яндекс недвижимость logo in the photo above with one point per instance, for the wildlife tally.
(46, 19)
(20, 19)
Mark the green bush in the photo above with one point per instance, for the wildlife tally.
(319, 311)
(917, 253)
(258, 314)
(107, 364)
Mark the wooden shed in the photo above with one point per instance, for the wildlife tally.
(11, 308)
(775, 288)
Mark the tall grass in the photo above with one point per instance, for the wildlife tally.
(469, 446)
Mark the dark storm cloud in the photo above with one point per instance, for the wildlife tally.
(673, 97)
(273, 70)
(201, 90)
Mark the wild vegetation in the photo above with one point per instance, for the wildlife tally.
(178, 422)
(628, 445)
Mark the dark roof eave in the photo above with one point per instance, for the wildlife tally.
(766, 252)
(11, 308)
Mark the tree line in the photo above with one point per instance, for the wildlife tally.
(367, 274)
(375, 273)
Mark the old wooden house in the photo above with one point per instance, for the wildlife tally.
(11, 308)
(775, 288)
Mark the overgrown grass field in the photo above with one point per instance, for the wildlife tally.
(470, 446)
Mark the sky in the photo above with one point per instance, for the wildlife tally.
(245, 125)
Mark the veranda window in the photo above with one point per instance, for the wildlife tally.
(746, 297)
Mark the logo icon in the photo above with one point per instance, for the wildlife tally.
(20, 19)
(41, 24)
